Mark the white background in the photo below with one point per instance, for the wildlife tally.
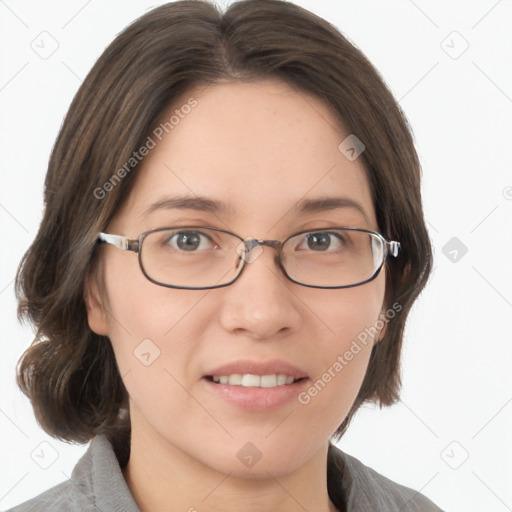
(457, 391)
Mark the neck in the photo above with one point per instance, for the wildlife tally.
(162, 477)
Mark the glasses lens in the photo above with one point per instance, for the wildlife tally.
(333, 258)
(190, 257)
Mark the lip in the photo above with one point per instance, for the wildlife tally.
(246, 366)
(256, 398)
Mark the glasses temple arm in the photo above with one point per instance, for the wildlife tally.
(122, 242)
(393, 248)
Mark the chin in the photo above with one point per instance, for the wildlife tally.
(258, 459)
(261, 470)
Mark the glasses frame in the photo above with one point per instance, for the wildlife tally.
(391, 248)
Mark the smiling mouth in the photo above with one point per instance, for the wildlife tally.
(254, 381)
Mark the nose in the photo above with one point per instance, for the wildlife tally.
(261, 303)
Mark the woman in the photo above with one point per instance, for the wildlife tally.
(232, 241)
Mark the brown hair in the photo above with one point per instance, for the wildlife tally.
(69, 372)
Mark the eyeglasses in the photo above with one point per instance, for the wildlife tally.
(200, 258)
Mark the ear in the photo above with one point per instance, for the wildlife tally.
(96, 313)
(382, 332)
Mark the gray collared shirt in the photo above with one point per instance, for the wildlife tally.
(97, 485)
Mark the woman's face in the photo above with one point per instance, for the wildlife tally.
(260, 149)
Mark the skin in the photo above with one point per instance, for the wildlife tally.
(260, 147)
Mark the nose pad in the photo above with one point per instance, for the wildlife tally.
(249, 250)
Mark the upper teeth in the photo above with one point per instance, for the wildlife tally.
(248, 380)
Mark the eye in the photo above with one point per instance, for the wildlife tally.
(190, 241)
(321, 241)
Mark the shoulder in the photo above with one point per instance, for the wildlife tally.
(96, 484)
(70, 495)
(56, 499)
(366, 490)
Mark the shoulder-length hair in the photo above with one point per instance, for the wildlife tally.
(69, 372)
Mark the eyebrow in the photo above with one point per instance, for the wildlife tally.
(208, 205)
(187, 203)
(329, 203)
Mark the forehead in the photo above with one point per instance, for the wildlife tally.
(260, 148)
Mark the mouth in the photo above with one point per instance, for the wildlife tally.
(249, 380)
(256, 385)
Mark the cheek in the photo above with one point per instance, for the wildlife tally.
(353, 314)
(139, 307)
(351, 321)
(146, 321)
